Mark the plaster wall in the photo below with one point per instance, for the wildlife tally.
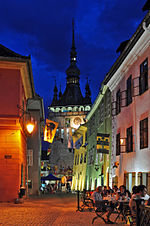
(138, 160)
(12, 155)
(11, 91)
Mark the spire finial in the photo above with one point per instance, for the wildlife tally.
(73, 54)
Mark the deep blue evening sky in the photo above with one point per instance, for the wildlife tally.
(43, 28)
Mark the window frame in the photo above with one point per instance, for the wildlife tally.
(129, 139)
(118, 102)
(144, 133)
(143, 79)
(118, 147)
(129, 90)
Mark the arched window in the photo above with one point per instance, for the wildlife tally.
(87, 108)
(63, 109)
(57, 109)
(69, 108)
(81, 108)
(75, 108)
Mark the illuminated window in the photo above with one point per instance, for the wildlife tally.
(81, 108)
(67, 122)
(129, 140)
(85, 158)
(144, 133)
(81, 158)
(78, 160)
(75, 161)
(67, 133)
(62, 133)
(129, 90)
(118, 102)
(143, 76)
(118, 144)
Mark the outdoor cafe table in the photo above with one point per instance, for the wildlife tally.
(111, 208)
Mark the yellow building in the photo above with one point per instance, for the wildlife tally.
(80, 158)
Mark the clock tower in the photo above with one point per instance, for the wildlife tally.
(69, 109)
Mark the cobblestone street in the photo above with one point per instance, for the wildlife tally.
(48, 210)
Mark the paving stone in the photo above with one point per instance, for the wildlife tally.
(50, 210)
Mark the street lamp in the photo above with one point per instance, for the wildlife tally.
(122, 141)
(29, 122)
(30, 127)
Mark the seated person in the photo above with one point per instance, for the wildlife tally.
(121, 194)
(139, 192)
(144, 194)
(97, 194)
(128, 195)
(104, 192)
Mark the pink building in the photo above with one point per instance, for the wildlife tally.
(129, 82)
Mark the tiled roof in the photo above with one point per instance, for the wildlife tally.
(5, 52)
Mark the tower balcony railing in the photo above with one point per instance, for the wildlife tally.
(69, 113)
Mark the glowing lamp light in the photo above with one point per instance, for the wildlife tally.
(121, 141)
(30, 127)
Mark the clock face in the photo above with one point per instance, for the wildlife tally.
(77, 121)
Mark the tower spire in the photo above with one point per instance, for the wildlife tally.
(73, 53)
(87, 98)
(54, 101)
(72, 71)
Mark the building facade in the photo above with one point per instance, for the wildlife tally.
(99, 141)
(16, 86)
(128, 80)
(36, 109)
(80, 158)
(68, 109)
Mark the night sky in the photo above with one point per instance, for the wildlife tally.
(44, 30)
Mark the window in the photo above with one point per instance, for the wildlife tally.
(144, 133)
(30, 184)
(129, 90)
(108, 104)
(101, 111)
(78, 160)
(85, 158)
(118, 102)
(67, 122)
(118, 144)
(81, 158)
(129, 141)
(75, 160)
(143, 76)
(62, 133)
(86, 137)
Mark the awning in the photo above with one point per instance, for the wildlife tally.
(50, 177)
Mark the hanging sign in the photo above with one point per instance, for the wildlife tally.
(50, 130)
(102, 143)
